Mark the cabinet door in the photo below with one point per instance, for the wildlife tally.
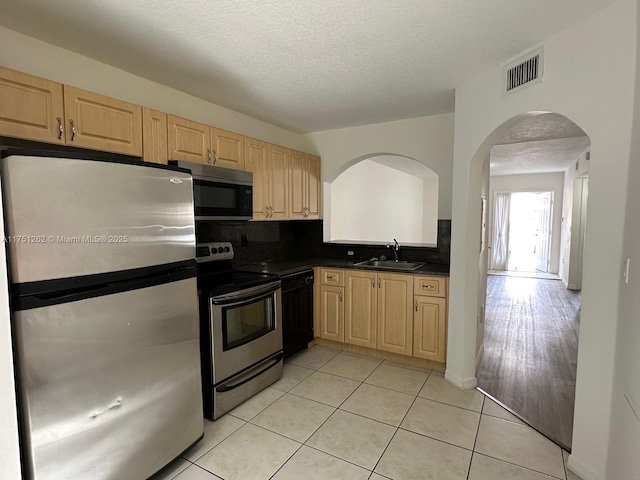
(395, 313)
(360, 308)
(332, 313)
(31, 107)
(430, 328)
(256, 161)
(278, 182)
(102, 123)
(297, 185)
(228, 149)
(313, 187)
(189, 141)
(154, 136)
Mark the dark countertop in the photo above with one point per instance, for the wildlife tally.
(288, 266)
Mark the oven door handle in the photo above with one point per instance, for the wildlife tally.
(227, 388)
(249, 293)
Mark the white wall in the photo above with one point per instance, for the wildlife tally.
(428, 140)
(589, 78)
(567, 213)
(483, 262)
(38, 58)
(535, 182)
(430, 209)
(624, 461)
(369, 197)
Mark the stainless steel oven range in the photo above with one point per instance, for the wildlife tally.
(240, 330)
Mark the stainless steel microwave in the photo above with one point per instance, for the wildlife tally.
(220, 193)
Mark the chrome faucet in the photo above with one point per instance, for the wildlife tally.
(396, 248)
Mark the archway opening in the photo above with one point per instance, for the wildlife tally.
(380, 197)
(528, 322)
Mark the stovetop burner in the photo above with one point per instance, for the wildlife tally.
(216, 275)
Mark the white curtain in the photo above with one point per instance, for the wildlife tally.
(500, 225)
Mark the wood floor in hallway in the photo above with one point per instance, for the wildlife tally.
(531, 350)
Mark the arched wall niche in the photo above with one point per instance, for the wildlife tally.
(378, 197)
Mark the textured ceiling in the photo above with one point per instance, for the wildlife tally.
(537, 157)
(306, 65)
(539, 144)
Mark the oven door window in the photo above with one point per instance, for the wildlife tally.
(245, 322)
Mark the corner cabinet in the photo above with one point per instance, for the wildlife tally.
(392, 313)
(304, 186)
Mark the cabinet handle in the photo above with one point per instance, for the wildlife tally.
(73, 129)
(373, 282)
(332, 277)
(340, 295)
(270, 212)
(60, 127)
(379, 280)
(215, 156)
(416, 304)
(428, 286)
(209, 156)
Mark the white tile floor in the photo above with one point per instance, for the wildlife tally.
(335, 415)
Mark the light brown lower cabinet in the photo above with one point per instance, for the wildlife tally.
(430, 328)
(332, 313)
(378, 310)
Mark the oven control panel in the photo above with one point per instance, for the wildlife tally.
(214, 251)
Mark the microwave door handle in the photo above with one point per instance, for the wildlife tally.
(237, 297)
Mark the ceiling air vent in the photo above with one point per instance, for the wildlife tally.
(523, 72)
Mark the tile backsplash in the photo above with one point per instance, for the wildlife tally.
(271, 240)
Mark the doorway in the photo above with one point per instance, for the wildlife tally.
(529, 237)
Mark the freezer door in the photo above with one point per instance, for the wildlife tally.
(70, 217)
(110, 385)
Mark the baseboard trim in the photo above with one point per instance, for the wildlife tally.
(583, 470)
(479, 356)
(462, 383)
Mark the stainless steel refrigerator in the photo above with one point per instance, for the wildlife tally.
(104, 314)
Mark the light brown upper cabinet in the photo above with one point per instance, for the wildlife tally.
(227, 149)
(279, 182)
(189, 141)
(256, 160)
(269, 164)
(200, 143)
(154, 136)
(102, 123)
(304, 186)
(31, 107)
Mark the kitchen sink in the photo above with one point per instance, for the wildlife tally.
(390, 264)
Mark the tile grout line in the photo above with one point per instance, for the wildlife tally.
(398, 427)
(475, 441)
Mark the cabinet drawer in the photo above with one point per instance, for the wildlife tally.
(331, 277)
(432, 286)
